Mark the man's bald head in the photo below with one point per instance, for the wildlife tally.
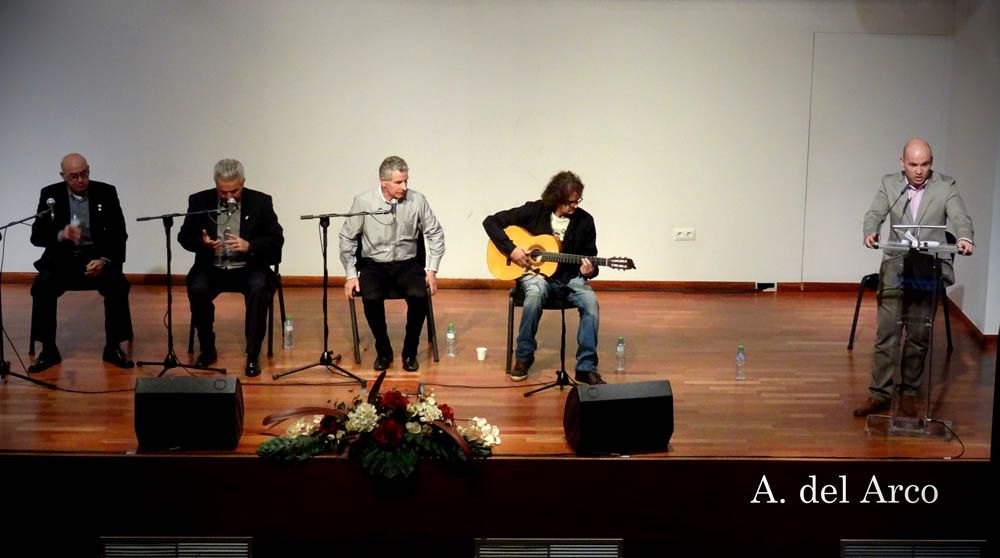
(75, 170)
(916, 161)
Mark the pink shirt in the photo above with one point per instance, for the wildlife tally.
(914, 195)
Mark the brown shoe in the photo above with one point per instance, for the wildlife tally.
(872, 406)
(907, 406)
(520, 371)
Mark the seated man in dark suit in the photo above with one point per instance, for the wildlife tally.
(84, 240)
(233, 249)
(390, 257)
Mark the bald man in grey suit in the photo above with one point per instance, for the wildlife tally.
(915, 196)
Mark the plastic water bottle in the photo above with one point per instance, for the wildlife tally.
(451, 341)
(289, 331)
(225, 237)
(741, 360)
(620, 355)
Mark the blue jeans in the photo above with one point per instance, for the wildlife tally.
(578, 292)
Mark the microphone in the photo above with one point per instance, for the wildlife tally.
(903, 191)
(230, 206)
(392, 207)
(52, 208)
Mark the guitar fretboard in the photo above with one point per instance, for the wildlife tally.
(568, 258)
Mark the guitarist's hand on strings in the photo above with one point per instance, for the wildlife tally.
(520, 257)
(586, 267)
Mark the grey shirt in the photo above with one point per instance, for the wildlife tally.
(390, 238)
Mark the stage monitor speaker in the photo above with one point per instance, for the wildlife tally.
(619, 418)
(188, 413)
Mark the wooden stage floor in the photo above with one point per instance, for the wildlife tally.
(796, 402)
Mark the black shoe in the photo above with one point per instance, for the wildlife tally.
(382, 362)
(410, 364)
(48, 358)
(521, 367)
(207, 358)
(253, 367)
(116, 356)
(591, 378)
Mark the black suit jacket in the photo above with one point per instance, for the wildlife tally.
(259, 226)
(107, 225)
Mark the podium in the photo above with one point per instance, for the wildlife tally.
(921, 277)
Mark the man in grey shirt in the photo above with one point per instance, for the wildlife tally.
(380, 252)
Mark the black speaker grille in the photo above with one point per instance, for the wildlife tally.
(911, 549)
(168, 547)
(554, 548)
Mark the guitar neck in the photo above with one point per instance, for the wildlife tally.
(558, 257)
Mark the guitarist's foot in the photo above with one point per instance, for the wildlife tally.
(520, 371)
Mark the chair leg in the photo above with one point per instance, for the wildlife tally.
(510, 328)
(857, 310)
(191, 338)
(281, 302)
(354, 331)
(270, 328)
(432, 327)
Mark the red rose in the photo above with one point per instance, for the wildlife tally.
(329, 425)
(388, 433)
(446, 411)
(394, 400)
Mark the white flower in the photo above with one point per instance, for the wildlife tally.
(481, 432)
(304, 426)
(426, 409)
(413, 427)
(362, 418)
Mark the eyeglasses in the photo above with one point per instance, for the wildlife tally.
(577, 201)
(74, 176)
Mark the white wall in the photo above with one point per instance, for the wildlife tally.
(974, 143)
(675, 114)
(866, 99)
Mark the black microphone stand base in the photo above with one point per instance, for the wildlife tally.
(328, 359)
(5, 371)
(562, 380)
(170, 361)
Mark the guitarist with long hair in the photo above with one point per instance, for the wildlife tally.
(558, 214)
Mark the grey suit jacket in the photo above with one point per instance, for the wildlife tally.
(941, 205)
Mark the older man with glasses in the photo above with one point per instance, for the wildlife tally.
(84, 239)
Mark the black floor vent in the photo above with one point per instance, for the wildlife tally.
(548, 548)
(176, 547)
(911, 549)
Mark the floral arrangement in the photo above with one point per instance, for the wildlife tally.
(387, 433)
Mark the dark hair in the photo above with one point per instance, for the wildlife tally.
(560, 188)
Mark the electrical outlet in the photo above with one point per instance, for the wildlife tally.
(684, 234)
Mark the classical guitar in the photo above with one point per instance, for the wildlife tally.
(545, 256)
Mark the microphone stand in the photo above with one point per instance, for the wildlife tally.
(328, 358)
(170, 360)
(4, 363)
(562, 377)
